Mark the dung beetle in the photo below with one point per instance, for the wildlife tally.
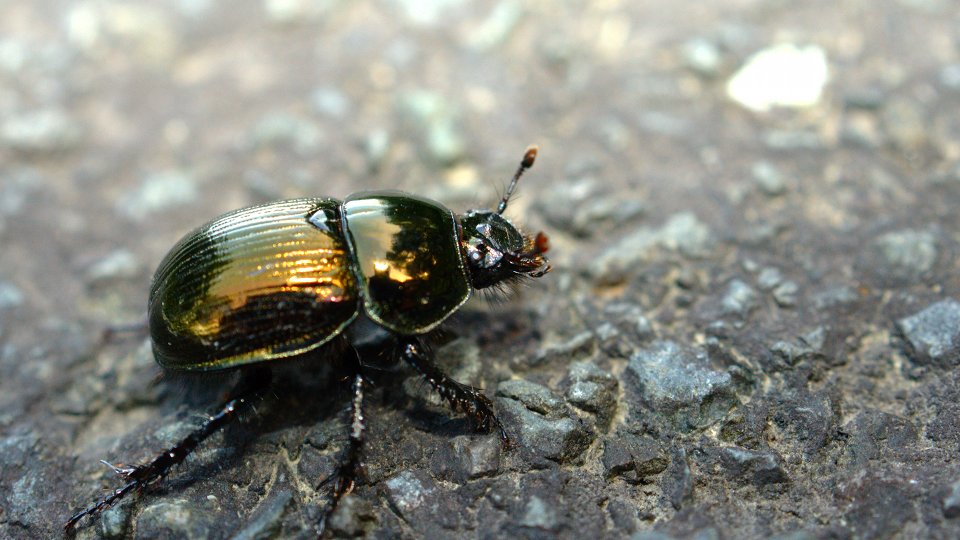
(377, 271)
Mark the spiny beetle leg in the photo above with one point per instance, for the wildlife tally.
(460, 396)
(251, 387)
(350, 469)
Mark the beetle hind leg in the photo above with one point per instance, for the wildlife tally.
(251, 387)
(468, 399)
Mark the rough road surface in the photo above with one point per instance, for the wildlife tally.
(751, 329)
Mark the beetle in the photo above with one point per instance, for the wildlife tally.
(377, 271)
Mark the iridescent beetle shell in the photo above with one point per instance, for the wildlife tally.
(280, 279)
(260, 283)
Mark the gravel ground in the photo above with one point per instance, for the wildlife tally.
(752, 329)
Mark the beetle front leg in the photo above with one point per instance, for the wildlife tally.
(460, 396)
(251, 387)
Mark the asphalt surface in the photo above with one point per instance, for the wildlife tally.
(752, 328)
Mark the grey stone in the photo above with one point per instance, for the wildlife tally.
(623, 514)
(437, 120)
(933, 335)
(177, 517)
(633, 457)
(586, 395)
(798, 535)
(18, 451)
(585, 209)
(876, 508)
(474, 457)
(497, 26)
(686, 234)
(760, 468)
(739, 300)
(661, 123)
(905, 123)
(376, 146)
(804, 422)
(330, 101)
(13, 55)
(621, 329)
(679, 385)
(20, 186)
(793, 140)
(593, 390)
(460, 359)
(533, 396)
(950, 76)
(408, 491)
(158, 191)
(581, 345)
(769, 278)
(651, 535)
(902, 257)
(42, 131)
(283, 130)
(869, 98)
(115, 521)
(538, 514)
(768, 179)
(807, 348)
(876, 434)
(118, 264)
(785, 294)
(287, 12)
(951, 503)
(838, 295)
(683, 233)
(10, 295)
(548, 433)
(355, 517)
(266, 522)
(702, 56)
(426, 13)
(677, 481)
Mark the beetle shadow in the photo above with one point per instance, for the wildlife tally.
(303, 393)
(310, 397)
(442, 423)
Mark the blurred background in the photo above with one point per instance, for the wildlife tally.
(769, 186)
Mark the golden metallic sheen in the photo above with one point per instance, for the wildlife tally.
(409, 263)
(261, 283)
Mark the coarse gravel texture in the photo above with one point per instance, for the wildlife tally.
(752, 325)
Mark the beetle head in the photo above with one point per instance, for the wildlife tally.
(496, 251)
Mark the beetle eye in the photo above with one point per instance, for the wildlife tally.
(492, 259)
(483, 229)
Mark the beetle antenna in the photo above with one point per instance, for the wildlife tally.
(528, 158)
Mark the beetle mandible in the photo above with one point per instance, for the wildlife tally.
(378, 270)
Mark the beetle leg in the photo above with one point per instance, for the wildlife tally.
(250, 388)
(460, 396)
(350, 469)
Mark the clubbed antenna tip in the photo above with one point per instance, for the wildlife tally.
(528, 158)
